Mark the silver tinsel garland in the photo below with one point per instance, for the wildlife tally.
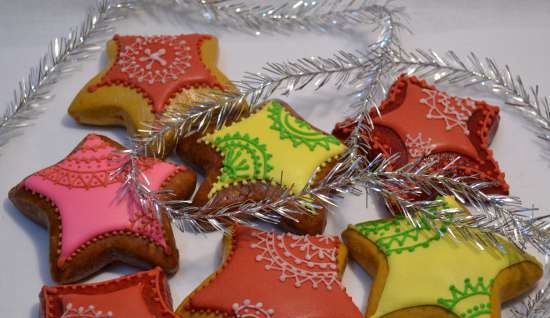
(370, 72)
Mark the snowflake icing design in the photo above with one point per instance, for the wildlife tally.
(454, 111)
(156, 59)
(301, 260)
(249, 310)
(85, 312)
(418, 147)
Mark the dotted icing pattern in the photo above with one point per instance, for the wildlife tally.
(271, 145)
(244, 158)
(298, 131)
(480, 288)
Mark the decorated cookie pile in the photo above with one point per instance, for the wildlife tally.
(86, 202)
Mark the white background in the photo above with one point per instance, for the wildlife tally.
(514, 33)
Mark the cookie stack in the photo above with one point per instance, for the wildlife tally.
(417, 271)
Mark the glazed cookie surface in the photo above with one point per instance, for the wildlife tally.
(142, 295)
(260, 154)
(270, 275)
(420, 123)
(423, 272)
(91, 222)
(146, 76)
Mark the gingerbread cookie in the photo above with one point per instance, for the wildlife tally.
(141, 295)
(255, 157)
(146, 76)
(91, 222)
(271, 275)
(420, 123)
(423, 272)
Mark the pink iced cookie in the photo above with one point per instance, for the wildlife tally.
(91, 224)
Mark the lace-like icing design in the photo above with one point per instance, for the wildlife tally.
(245, 158)
(298, 131)
(302, 259)
(419, 147)
(84, 312)
(480, 288)
(91, 166)
(249, 310)
(453, 110)
(156, 59)
(398, 236)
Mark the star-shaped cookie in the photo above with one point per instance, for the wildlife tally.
(91, 221)
(425, 273)
(270, 275)
(147, 75)
(419, 122)
(256, 156)
(142, 295)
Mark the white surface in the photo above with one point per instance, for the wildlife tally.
(512, 32)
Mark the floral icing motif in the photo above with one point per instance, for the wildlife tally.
(88, 197)
(156, 59)
(298, 131)
(159, 66)
(480, 288)
(249, 310)
(81, 312)
(245, 158)
(252, 151)
(298, 259)
(419, 147)
(453, 110)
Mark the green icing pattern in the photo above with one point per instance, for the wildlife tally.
(398, 236)
(470, 290)
(245, 158)
(298, 131)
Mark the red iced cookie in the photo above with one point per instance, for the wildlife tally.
(419, 122)
(270, 275)
(142, 295)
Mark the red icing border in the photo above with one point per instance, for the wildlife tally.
(156, 292)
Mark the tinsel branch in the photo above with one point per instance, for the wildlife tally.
(296, 15)
(283, 203)
(79, 44)
(486, 74)
(219, 107)
(495, 213)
